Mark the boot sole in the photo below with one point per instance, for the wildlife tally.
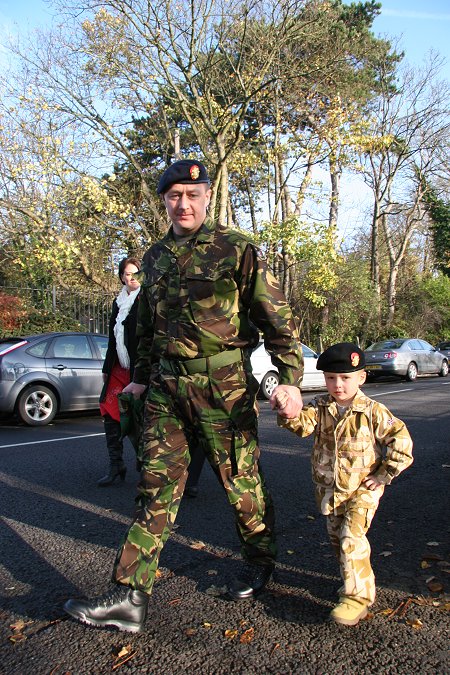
(351, 622)
(98, 623)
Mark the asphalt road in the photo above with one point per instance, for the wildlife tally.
(59, 534)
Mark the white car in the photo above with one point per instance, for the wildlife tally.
(267, 374)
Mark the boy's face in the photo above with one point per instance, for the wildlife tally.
(343, 386)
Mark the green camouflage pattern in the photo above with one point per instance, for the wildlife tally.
(368, 439)
(347, 529)
(211, 294)
(218, 410)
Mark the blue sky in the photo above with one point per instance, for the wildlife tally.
(420, 25)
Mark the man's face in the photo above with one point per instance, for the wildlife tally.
(186, 206)
(343, 386)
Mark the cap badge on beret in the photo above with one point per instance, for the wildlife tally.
(354, 358)
(194, 171)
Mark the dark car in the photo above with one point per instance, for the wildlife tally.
(444, 348)
(405, 357)
(41, 375)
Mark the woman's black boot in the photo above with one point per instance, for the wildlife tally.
(114, 443)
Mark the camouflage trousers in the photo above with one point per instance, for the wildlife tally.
(219, 411)
(347, 528)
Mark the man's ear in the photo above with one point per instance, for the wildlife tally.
(363, 376)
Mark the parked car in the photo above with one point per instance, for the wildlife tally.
(444, 348)
(41, 375)
(405, 357)
(267, 374)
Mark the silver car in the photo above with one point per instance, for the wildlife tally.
(41, 375)
(405, 357)
(267, 374)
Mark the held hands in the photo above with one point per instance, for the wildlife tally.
(371, 483)
(287, 400)
(136, 389)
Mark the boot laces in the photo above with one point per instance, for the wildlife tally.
(112, 596)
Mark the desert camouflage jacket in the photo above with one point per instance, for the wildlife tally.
(208, 295)
(368, 439)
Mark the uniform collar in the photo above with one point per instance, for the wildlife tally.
(204, 234)
(360, 403)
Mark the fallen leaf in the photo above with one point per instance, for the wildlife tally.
(290, 552)
(435, 587)
(247, 636)
(415, 623)
(175, 601)
(432, 543)
(311, 517)
(386, 553)
(231, 634)
(207, 625)
(425, 565)
(17, 637)
(446, 466)
(190, 632)
(123, 651)
(119, 661)
(158, 574)
(427, 581)
(274, 648)
(198, 545)
(20, 625)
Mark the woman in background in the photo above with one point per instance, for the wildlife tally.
(119, 365)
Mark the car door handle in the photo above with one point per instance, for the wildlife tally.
(59, 367)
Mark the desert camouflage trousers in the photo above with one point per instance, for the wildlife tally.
(218, 410)
(347, 528)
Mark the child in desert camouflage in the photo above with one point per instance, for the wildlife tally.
(359, 447)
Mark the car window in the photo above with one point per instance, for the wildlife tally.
(71, 347)
(101, 342)
(425, 345)
(416, 345)
(39, 349)
(386, 344)
(308, 353)
(443, 345)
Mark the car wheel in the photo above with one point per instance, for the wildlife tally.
(411, 372)
(37, 406)
(444, 369)
(268, 384)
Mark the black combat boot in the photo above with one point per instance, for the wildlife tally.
(121, 607)
(251, 582)
(114, 444)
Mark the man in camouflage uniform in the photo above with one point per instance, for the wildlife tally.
(205, 296)
(359, 447)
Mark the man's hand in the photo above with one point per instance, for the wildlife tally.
(287, 400)
(136, 389)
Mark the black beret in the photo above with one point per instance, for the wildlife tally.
(184, 171)
(344, 357)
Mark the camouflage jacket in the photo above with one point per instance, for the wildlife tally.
(211, 294)
(367, 439)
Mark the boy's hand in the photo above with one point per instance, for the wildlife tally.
(372, 483)
(287, 400)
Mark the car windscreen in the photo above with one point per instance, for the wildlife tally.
(386, 344)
